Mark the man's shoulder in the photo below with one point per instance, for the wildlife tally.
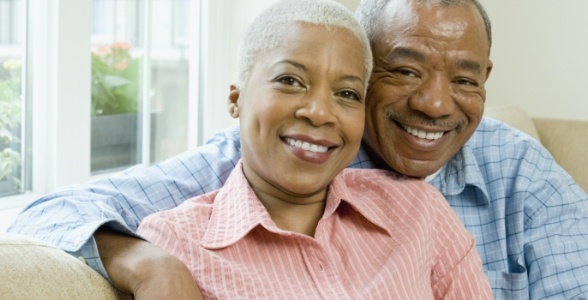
(491, 131)
(495, 139)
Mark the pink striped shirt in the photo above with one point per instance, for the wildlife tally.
(381, 237)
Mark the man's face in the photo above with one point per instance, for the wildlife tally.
(426, 94)
(302, 112)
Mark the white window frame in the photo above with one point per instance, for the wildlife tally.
(59, 44)
(59, 57)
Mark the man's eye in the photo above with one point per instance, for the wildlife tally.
(289, 80)
(350, 95)
(466, 82)
(406, 72)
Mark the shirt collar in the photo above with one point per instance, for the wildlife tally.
(237, 210)
(461, 170)
(339, 191)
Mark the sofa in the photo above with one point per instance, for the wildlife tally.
(32, 269)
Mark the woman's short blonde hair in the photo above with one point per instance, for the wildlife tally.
(268, 29)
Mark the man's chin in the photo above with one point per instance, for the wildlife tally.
(417, 168)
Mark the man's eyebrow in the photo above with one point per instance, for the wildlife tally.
(469, 65)
(403, 52)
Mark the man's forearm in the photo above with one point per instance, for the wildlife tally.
(137, 267)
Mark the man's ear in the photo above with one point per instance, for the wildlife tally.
(489, 69)
(233, 101)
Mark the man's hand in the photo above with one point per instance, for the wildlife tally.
(144, 270)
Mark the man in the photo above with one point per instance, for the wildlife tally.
(423, 118)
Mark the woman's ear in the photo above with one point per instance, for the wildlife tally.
(233, 103)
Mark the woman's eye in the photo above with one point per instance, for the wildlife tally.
(349, 95)
(289, 80)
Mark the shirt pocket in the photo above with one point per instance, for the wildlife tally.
(509, 286)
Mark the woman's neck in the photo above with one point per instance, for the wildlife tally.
(293, 215)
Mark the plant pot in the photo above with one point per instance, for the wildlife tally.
(114, 142)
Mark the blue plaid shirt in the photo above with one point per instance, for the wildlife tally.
(529, 218)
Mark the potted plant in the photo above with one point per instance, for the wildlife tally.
(115, 93)
(10, 121)
(115, 80)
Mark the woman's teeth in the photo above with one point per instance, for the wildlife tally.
(306, 146)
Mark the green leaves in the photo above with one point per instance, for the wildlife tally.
(115, 80)
(10, 121)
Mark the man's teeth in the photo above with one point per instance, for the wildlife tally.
(307, 146)
(423, 134)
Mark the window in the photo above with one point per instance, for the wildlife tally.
(50, 104)
(172, 84)
(12, 80)
(140, 72)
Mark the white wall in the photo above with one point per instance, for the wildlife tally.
(227, 22)
(540, 55)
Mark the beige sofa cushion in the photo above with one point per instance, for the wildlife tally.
(52, 274)
(567, 140)
(515, 117)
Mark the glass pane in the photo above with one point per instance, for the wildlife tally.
(12, 36)
(117, 59)
(169, 78)
(119, 97)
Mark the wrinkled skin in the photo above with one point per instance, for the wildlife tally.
(428, 79)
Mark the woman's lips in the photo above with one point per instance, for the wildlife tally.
(308, 151)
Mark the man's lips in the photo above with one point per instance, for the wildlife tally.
(429, 135)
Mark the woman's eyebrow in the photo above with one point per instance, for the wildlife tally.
(302, 67)
(293, 63)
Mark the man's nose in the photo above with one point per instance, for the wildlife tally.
(433, 97)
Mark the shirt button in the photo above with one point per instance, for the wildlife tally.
(82, 259)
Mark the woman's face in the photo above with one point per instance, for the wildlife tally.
(302, 112)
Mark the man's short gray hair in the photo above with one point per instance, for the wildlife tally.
(268, 30)
(369, 13)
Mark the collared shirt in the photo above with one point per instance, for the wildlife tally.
(528, 216)
(380, 237)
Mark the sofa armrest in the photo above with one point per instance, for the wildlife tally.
(32, 269)
(567, 141)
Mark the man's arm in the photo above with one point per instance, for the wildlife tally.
(556, 237)
(144, 270)
(533, 231)
(69, 218)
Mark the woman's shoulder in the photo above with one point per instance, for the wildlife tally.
(378, 177)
